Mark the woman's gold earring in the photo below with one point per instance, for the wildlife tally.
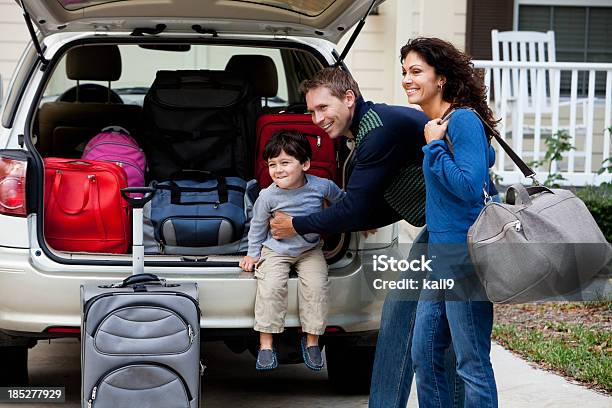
(439, 87)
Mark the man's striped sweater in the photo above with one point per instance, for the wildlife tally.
(386, 183)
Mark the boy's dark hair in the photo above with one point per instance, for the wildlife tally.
(292, 142)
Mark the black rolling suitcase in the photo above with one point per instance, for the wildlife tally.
(140, 338)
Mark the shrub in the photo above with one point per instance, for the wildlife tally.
(599, 202)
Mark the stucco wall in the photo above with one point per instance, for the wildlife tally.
(374, 59)
(13, 38)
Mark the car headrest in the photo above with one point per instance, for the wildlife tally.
(94, 63)
(258, 70)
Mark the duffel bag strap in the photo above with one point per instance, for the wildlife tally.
(89, 185)
(523, 167)
(57, 181)
(523, 194)
(176, 192)
(203, 175)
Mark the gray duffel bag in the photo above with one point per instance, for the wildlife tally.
(541, 243)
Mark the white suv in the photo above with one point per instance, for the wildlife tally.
(39, 286)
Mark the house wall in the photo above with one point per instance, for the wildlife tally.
(374, 59)
(13, 39)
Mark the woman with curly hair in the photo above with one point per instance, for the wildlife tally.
(442, 81)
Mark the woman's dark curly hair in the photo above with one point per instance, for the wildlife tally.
(464, 85)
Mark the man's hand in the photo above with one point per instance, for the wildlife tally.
(248, 263)
(281, 225)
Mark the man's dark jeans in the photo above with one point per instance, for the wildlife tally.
(393, 372)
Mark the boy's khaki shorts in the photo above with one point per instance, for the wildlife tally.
(272, 275)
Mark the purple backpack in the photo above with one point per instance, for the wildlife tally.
(115, 145)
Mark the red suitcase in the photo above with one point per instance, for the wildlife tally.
(324, 161)
(84, 210)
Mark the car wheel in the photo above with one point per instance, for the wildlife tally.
(349, 368)
(14, 362)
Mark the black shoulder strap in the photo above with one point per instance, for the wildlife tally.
(525, 169)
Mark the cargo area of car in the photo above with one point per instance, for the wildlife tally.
(193, 109)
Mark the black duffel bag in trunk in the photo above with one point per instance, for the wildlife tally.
(194, 120)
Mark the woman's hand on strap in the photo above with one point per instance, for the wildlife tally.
(434, 130)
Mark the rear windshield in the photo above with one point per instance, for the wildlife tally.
(140, 65)
(309, 8)
(79, 4)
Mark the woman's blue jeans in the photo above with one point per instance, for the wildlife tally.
(461, 320)
(393, 368)
(466, 327)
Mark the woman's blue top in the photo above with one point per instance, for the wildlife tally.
(454, 180)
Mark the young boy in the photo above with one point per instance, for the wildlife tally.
(288, 156)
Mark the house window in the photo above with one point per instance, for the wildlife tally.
(583, 33)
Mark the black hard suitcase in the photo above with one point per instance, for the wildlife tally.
(140, 338)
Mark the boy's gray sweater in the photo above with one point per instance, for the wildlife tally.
(300, 201)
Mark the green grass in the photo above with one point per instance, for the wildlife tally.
(584, 354)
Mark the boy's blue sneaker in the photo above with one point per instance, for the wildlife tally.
(266, 360)
(312, 356)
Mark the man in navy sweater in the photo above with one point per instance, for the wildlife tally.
(385, 185)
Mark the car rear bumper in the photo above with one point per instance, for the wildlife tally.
(34, 301)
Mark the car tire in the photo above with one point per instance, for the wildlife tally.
(349, 368)
(14, 362)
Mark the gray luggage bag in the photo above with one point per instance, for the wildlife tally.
(140, 338)
(541, 244)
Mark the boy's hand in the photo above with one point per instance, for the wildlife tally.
(248, 263)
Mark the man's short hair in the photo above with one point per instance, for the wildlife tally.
(292, 142)
(336, 80)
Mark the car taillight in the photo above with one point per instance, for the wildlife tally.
(13, 187)
(64, 330)
(333, 329)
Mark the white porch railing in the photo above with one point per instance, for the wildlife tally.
(526, 97)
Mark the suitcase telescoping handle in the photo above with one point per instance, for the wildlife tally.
(137, 204)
